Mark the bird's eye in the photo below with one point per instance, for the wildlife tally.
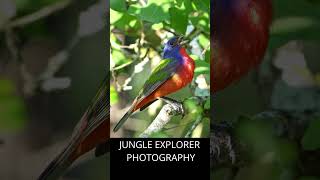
(171, 43)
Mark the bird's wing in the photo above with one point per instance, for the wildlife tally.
(98, 110)
(95, 115)
(165, 70)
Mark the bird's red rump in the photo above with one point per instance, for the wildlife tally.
(100, 135)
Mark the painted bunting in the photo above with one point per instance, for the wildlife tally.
(239, 38)
(91, 132)
(174, 72)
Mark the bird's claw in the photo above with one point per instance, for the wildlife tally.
(178, 106)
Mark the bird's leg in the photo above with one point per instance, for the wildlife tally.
(175, 104)
(169, 100)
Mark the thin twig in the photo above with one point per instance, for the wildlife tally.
(42, 13)
(56, 62)
(193, 34)
(139, 59)
(205, 50)
(193, 127)
(168, 30)
(15, 51)
(11, 41)
(31, 82)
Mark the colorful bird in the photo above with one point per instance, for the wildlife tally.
(174, 72)
(92, 132)
(239, 38)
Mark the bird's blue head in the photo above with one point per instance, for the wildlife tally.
(172, 47)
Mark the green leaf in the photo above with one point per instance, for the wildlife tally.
(201, 21)
(310, 140)
(151, 36)
(179, 2)
(153, 12)
(192, 107)
(286, 153)
(204, 41)
(115, 16)
(207, 104)
(187, 5)
(202, 67)
(179, 20)
(207, 56)
(299, 20)
(157, 26)
(202, 70)
(118, 5)
(118, 58)
(128, 23)
(113, 96)
(203, 5)
(256, 135)
(12, 108)
(292, 24)
(288, 98)
(159, 134)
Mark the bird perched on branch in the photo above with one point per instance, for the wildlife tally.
(174, 72)
(239, 38)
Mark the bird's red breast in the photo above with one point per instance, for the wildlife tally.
(180, 79)
(239, 40)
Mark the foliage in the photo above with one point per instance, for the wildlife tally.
(297, 92)
(299, 20)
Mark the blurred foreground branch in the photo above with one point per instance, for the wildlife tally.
(47, 81)
(42, 13)
(232, 148)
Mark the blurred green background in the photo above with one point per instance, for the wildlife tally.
(53, 57)
(274, 110)
(138, 32)
(41, 103)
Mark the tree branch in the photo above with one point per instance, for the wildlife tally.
(167, 112)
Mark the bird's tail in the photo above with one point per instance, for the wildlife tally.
(123, 119)
(58, 166)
